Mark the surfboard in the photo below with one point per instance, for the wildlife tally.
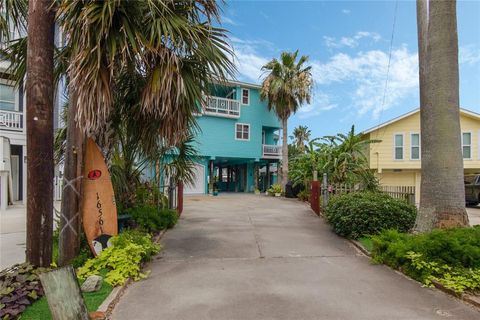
(99, 212)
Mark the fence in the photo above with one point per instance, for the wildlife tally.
(406, 193)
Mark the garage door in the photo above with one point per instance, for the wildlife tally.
(198, 186)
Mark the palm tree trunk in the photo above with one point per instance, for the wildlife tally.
(442, 202)
(284, 176)
(40, 164)
(70, 220)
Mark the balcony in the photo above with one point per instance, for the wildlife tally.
(222, 107)
(11, 120)
(271, 151)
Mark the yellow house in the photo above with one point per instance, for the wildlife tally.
(396, 160)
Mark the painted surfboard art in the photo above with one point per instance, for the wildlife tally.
(99, 212)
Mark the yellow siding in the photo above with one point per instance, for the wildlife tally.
(381, 154)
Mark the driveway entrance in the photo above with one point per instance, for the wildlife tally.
(241, 256)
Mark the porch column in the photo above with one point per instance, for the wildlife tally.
(255, 176)
(228, 178)
(210, 176)
(267, 177)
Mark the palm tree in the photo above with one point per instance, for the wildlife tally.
(286, 87)
(301, 135)
(173, 44)
(442, 201)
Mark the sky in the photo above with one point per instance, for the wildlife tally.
(348, 44)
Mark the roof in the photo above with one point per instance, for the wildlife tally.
(244, 84)
(408, 114)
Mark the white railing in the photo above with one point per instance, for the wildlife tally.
(271, 151)
(11, 120)
(222, 107)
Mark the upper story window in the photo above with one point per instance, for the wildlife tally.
(7, 97)
(415, 146)
(245, 96)
(398, 143)
(242, 131)
(467, 145)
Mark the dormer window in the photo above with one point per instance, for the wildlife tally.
(245, 96)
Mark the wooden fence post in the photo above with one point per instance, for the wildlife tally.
(63, 294)
(315, 196)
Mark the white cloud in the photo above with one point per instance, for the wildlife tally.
(248, 61)
(365, 73)
(350, 42)
(469, 55)
(227, 20)
(321, 102)
(346, 11)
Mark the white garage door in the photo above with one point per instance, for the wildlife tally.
(198, 187)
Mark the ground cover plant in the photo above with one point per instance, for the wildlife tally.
(358, 214)
(123, 259)
(152, 218)
(450, 257)
(19, 287)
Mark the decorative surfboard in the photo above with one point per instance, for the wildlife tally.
(99, 212)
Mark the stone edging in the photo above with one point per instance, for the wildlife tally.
(104, 311)
(468, 298)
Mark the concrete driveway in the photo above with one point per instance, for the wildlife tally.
(254, 257)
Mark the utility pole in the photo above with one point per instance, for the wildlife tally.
(40, 164)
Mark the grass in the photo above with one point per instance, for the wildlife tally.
(366, 243)
(40, 311)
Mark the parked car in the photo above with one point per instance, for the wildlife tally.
(472, 189)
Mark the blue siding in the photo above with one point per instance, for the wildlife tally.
(217, 135)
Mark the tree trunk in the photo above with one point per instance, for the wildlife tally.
(70, 220)
(40, 164)
(442, 198)
(284, 177)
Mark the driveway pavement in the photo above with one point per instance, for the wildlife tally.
(255, 257)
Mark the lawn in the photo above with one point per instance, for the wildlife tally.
(39, 310)
(366, 243)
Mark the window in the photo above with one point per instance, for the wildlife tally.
(7, 97)
(467, 145)
(242, 131)
(398, 147)
(245, 96)
(415, 146)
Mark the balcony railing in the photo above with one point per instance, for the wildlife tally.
(11, 120)
(271, 151)
(222, 107)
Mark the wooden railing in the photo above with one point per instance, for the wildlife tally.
(11, 120)
(271, 151)
(222, 107)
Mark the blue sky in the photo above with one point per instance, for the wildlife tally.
(348, 45)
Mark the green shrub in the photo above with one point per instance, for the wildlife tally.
(458, 247)
(358, 214)
(151, 218)
(451, 257)
(303, 195)
(123, 259)
(275, 188)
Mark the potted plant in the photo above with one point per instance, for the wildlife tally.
(276, 190)
(257, 191)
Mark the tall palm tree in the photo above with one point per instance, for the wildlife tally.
(442, 201)
(286, 87)
(173, 44)
(301, 135)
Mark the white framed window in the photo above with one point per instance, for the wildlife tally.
(398, 146)
(467, 145)
(7, 97)
(245, 96)
(414, 146)
(242, 131)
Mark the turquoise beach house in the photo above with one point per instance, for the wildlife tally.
(237, 142)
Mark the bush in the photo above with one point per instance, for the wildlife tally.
(451, 257)
(123, 259)
(303, 195)
(357, 214)
(275, 188)
(19, 287)
(151, 218)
